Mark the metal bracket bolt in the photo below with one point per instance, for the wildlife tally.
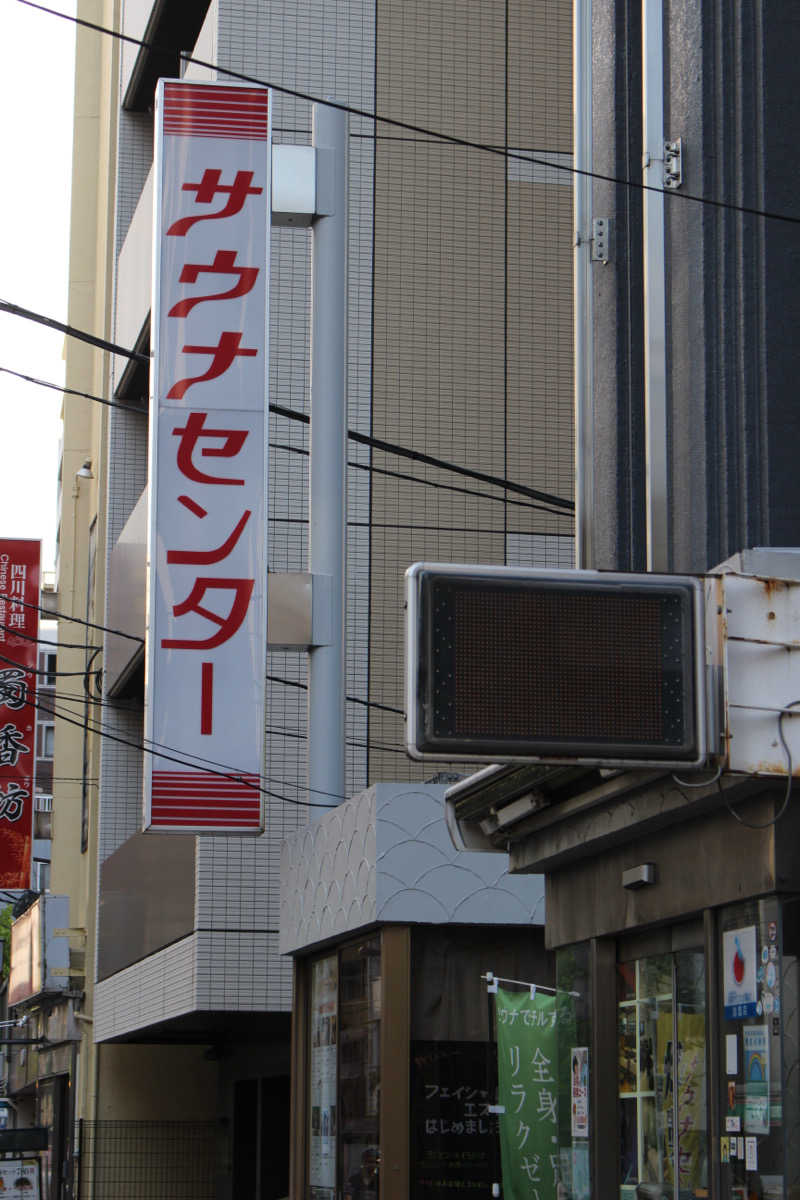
(673, 164)
(602, 233)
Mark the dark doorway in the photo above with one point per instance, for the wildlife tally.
(261, 1138)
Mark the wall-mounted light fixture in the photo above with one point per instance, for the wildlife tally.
(639, 877)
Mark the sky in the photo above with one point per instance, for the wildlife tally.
(36, 91)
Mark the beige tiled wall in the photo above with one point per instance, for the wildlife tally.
(473, 304)
(459, 345)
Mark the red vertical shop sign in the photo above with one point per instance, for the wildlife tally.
(19, 630)
(206, 656)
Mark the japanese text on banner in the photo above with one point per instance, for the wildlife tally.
(527, 1089)
(19, 631)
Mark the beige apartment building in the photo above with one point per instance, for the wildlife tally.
(179, 1010)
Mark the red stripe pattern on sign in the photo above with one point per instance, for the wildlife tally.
(192, 110)
(201, 799)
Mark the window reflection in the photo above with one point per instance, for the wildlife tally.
(662, 1076)
(359, 1068)
(345, 1080)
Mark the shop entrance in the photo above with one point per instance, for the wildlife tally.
(661, 1076)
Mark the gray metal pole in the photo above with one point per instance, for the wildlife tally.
(327, 503)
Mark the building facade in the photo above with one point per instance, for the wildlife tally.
(459, 406)
(392, 932)
(45, 752)
(672, 896)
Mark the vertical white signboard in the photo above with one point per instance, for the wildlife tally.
(207, 621)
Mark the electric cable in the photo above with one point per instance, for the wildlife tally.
(28, 637)
(353, 435)
(58, 387)
(409, 127)
(447, 487)
(351, 699)
(299, 449)
(37, 671)
(173, 754)
(785, 711)
(273, 730)
(55, 778)
(272, 678)
(703, 783)
(17, 311)
(161, 750)
(232, 774)
(60, 616)
(482, 476)
(270, 730)
(418, 525)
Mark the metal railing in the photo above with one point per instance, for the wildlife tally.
(146, 1160)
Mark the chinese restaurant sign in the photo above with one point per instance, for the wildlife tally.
(527, 1090)
(208, 459)
(19, 629)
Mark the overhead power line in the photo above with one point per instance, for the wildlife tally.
(294, 415)
(17, 311)
(60, 616)
(20, 666)
(409, 127)
(28, 637)
(97, 704)
(172, 754)
(434, 483)
(55, 778)
(295, 683)
(364, 439)
(68, 391)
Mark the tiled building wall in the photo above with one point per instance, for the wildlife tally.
(327, 49)
(162, 986)
(473, 306)
(120, 777)
(135, 154)
(459, 345)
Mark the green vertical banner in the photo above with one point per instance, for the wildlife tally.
(527, 1090)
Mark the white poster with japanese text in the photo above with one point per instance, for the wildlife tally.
(207, 618)
(579, 1091)
(323, 1078)
(755, 1046)
(20, 1179)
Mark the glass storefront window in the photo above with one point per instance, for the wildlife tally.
(644, 1059)
(788, 1003)
(344, 1073)
(453, 1142)
(758, 1143)
(575, 1080)
(661, 1077)
(359, 1069)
